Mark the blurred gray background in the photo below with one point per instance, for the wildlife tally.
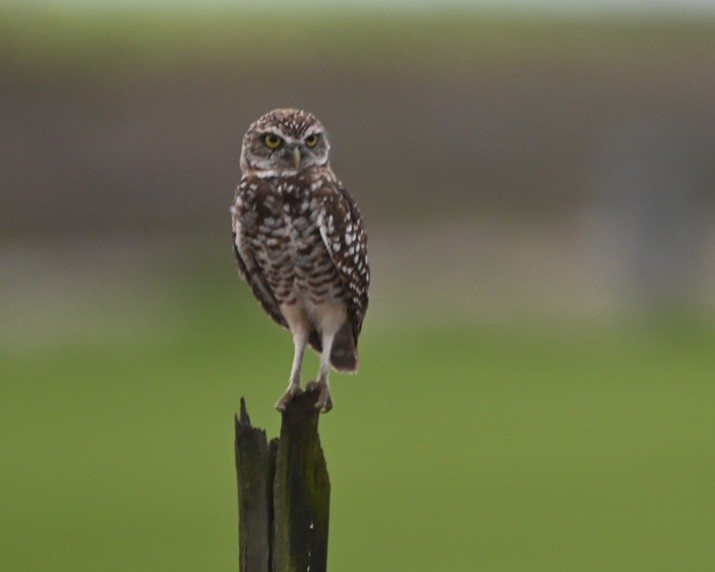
(506, 162)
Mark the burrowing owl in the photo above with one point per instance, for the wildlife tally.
(300, 243)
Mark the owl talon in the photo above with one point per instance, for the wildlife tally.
(325, 400)
(290, 393)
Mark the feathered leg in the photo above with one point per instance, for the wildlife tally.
(300, 327)
(332, 317)
(325, 400)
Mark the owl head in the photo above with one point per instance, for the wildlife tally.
(284, 141)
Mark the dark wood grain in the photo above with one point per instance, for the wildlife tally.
(284, 492)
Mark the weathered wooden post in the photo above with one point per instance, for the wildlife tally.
(283, 492)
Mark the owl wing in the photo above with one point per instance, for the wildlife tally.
(343, 234)
(246, 223)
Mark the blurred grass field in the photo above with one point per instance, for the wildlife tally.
(108, 38)
(532, 446)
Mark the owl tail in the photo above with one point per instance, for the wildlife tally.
(344, 356)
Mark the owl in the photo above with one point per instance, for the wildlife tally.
(300, 244)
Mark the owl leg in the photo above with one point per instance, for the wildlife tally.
(325, 401)
(299, 342)
(331, 318)
(300, 327)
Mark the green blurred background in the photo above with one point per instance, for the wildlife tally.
(536, 386)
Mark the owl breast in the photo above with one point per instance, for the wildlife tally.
(289, 249)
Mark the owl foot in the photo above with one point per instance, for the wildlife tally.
(290, 393)
(325, 400)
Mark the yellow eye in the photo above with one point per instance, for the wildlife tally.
(272, 141)
(311, 141)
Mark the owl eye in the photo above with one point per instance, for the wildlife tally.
(311, 141)
(272, 141)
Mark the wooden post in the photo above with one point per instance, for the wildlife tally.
(255, 460)
(283, 492)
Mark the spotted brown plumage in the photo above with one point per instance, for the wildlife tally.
(300, 243)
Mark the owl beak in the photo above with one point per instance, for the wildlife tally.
(296, 157)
